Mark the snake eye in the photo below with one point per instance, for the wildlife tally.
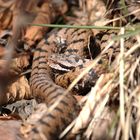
(62, 44)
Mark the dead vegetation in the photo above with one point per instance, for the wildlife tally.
(110, 110)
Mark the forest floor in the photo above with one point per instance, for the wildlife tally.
(102, 73)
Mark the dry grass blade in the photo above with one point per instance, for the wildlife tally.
(119, 18)
(121, 77)
(100, 126)
(93, 103)
(94, 98)
(136, 92)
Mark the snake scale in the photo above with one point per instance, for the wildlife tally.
(45, 90)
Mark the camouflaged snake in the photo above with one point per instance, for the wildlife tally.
(44, 89)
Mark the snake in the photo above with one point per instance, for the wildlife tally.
(74, 46)
(44, 89)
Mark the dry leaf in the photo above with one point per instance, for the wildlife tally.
(45, 16)
(16, 91)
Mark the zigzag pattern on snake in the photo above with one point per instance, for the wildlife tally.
(45, 90)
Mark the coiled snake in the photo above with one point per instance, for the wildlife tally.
(73, 41)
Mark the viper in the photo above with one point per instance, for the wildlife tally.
(44, 89)
(68, 51)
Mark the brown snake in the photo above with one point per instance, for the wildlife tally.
(44, 89)
(74, 42)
